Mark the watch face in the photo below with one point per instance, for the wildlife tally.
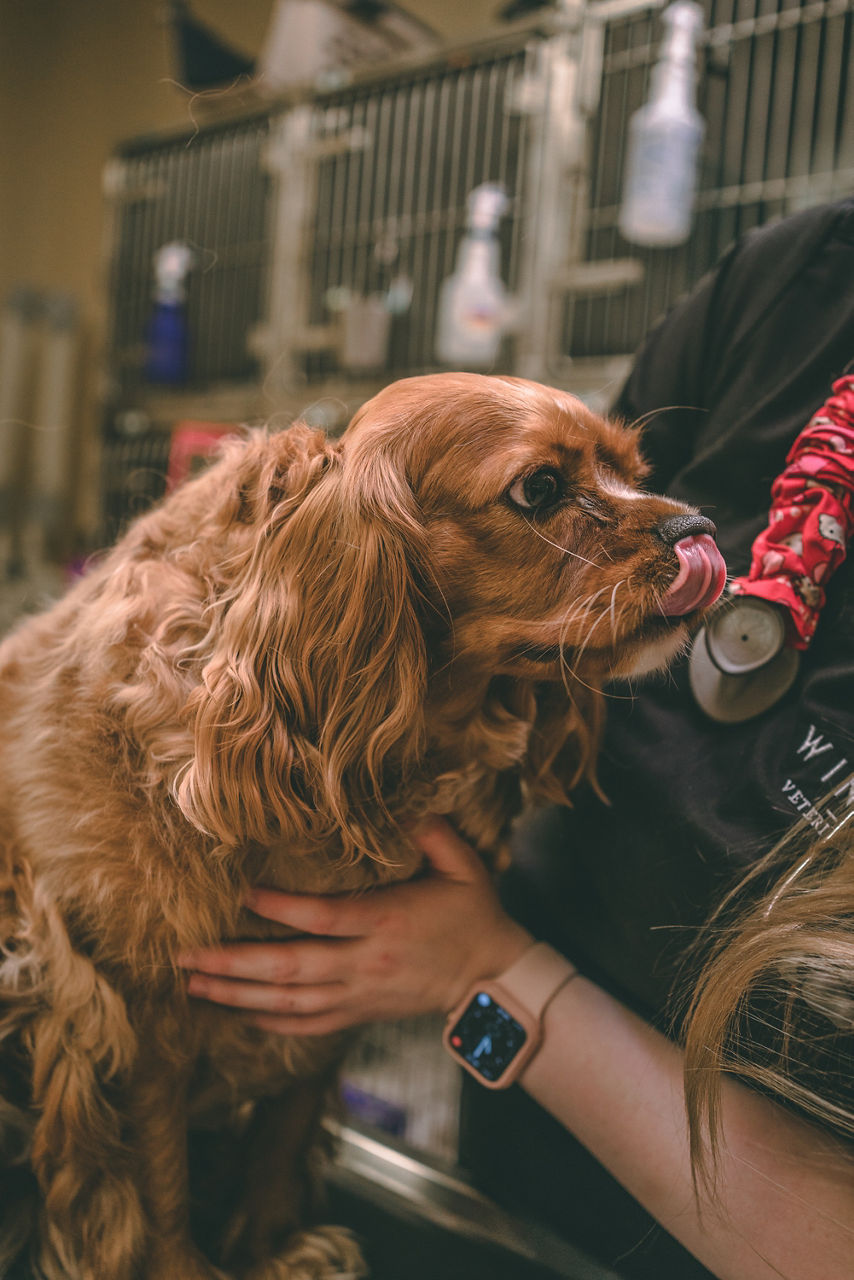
(487, 1037)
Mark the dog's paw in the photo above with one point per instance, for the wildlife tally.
(325, 1253)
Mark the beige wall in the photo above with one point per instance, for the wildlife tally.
(79, 76)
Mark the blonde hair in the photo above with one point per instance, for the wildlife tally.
(774, 1002)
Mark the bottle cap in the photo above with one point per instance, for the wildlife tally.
(172, 262)
(486, 205)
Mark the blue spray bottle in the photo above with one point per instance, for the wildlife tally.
(167, 338)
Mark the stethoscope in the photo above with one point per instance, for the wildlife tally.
(740, 664)
(746, 656)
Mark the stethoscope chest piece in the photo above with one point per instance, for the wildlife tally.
(740, 665)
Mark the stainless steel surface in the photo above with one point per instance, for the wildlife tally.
(402, 1183)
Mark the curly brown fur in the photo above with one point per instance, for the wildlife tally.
(300, 650)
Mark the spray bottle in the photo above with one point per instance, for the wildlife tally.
(167, 337)
(664, 139)
(472, 312)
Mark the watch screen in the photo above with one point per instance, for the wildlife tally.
(487, 1036)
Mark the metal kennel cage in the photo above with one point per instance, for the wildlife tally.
(211, 191)
(304, 215)
(776, 93)
(300, 215)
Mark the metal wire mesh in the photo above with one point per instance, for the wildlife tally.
(776, 94)
(391, 196)
(134, 472)
(392, 163)
(210, 190)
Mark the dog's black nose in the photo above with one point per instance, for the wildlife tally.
(687, 526)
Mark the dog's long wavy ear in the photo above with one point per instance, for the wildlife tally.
(310, 711)
(564, 742)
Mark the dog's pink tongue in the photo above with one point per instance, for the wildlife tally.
(701, 576)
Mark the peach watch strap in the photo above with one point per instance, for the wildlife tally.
(536, 977)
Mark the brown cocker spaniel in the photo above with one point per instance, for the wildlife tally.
(305, 647)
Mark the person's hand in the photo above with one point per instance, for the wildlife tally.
(397, 951)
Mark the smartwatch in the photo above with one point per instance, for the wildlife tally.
(497, 1028)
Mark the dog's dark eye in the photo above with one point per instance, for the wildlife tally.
(538, 489)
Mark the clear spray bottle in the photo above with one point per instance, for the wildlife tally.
(473, 308)
(665, 137)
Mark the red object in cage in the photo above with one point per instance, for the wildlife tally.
(193, 445)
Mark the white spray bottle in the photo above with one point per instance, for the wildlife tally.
(473, 308)
(665, 137)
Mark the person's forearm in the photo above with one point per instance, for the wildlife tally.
(786, 1191)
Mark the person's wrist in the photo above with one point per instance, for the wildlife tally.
(490, 961)
(497, 1028)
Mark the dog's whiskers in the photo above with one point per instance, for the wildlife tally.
(585, 642)
(611, 610)
(581, 609)
(557, 546)
(582, 612)
(566, 669)
(623, 611)
(640, 422)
